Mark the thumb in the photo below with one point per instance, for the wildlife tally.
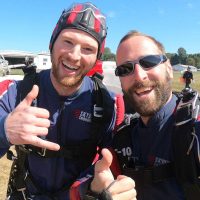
(120, 177)
(27, 101)
(105, 162)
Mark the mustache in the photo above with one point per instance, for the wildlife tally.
(144, 84)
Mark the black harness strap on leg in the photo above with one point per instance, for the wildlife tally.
(16, 186)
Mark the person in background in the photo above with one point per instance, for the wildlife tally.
(188, 77)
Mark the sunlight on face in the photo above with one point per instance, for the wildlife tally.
(158, 97)
(146, 90)
(74, 54)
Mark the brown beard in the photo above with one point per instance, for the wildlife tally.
(149, 107)
(71, 82)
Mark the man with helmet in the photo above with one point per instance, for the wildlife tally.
(188, 77)
(56, 141)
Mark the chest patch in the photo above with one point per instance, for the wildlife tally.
(82, 115)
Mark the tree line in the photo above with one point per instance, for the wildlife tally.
(181, 57)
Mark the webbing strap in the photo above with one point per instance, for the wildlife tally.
(145, 176)
(76, 151)
(103, 100)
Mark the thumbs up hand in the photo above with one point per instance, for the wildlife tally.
(122, 189)
(25, 123)
(103, 176)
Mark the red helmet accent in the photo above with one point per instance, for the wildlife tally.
(73, 15)
(85, 17)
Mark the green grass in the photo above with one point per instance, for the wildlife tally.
(16, 72)
(13, 72)
(177, 85)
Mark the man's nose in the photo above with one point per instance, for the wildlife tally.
(139, 73)
(75, 53)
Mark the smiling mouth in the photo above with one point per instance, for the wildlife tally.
(70, 67)
(143, 91)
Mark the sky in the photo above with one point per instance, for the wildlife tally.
(27, 25)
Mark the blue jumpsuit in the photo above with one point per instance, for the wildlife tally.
(51, 174)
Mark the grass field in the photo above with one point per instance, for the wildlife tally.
(4, 173)
(5, 164)
(14, 72)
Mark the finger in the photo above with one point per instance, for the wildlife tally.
(122, 184)
(35, 131)
(121, 177)
(27, 101)
(36, 141)
(38, 112)
(105, 162)
(128, 195)
(41, 122)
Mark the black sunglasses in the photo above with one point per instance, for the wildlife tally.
(146, 62)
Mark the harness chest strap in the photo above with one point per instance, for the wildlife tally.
(74, 152)
(149, 175)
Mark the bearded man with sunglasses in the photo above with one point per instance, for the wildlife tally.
(145, 145)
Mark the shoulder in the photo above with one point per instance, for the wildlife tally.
(8, 94)
(130, 121)
(6, 85)
(44, 74)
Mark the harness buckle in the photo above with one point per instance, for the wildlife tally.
(42, 152)
(187, 109)
(23, 191)
(25, 148)
(98, 111)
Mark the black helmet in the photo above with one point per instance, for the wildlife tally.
(85, 17)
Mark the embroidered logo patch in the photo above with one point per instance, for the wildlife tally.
(82, 115)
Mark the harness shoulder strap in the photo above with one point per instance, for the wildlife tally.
(122, 143)
(105, 105)
(25, 86)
